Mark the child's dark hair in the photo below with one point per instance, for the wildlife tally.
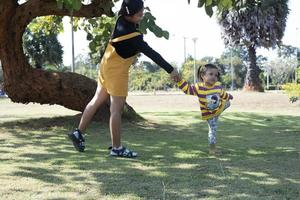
(203, 69)
(131, 7)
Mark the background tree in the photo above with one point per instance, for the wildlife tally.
(148, 76)
(257, 23)
(221, 5)
(85, 66)
(187, 69)
(282, 70)
(1, 73)
(40, 41)
(99, 30)
(290, 53)
(236, 56)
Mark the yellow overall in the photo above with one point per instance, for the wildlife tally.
(114, 70)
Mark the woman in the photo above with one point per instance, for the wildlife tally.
(119, 55)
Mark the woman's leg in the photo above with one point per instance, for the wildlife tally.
(115, 121)
(76, 136)
(116, 110)
(99, 98)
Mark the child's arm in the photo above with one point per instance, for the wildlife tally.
(187, 88)
(226, 96)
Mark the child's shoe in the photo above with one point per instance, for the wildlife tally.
(77, 139)
(123, 152)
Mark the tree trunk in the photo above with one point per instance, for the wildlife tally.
(252, 80)
(24, 84)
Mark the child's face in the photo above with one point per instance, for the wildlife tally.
(210, 77)
(136, 18)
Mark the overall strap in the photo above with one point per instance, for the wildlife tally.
(126, 37)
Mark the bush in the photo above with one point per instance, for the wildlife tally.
(293, 90)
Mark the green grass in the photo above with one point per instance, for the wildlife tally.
(260, 160)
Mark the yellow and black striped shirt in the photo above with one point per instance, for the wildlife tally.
(212, 99)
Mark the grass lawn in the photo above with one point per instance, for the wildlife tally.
(261, 158)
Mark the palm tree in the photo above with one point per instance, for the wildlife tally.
(259, 23)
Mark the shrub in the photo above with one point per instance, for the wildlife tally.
(293, 90)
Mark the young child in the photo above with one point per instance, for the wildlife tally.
(212, 98)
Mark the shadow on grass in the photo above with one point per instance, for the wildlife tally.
(260, 156)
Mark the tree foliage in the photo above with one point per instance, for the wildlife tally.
(293, 90)
(236, 58)
(41, 45)
(147, 76)
(282, 70)
(221, 5)
(257, 23)
(187, 69)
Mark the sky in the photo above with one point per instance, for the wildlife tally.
(185, 20)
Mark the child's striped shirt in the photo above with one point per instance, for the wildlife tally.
(212, 99)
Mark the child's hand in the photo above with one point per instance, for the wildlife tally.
(230, 97)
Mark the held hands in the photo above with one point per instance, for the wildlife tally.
(230, 97)
(175, 75)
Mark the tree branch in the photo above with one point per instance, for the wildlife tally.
(35, 8)
(26, 12)
(7, 11)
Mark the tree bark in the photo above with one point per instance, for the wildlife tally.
(252, 80)
(24, 84)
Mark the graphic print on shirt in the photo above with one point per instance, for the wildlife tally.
(213, 101)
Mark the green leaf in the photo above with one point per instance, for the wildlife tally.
(76, 4)
(166, 34)
(208, 2)
(147, 9)
(89, 37)
(209, 11)
(143, 26)
(225, 4)
(201, 3)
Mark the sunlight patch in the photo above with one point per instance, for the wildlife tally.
(269, 181)
(286, 149)
(142, 167)
(293, 180)
(157, 174)
(158, 156)
(185, 155)
(186, 166)
(255, 152)
(150, 170)
(233, 136)
(211, 191)
(257, 174)
(242, 195)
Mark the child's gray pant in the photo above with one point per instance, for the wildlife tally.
(213, 126)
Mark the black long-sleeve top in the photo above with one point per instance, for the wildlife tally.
(132, 46)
